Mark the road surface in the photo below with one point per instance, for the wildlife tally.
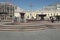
(48, 34)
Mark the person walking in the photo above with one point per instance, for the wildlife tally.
(52, 19)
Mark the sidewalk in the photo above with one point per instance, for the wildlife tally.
(31, 26)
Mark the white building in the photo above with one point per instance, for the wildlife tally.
(50, 10)
(20, 14)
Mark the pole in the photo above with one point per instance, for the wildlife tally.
(31, 9)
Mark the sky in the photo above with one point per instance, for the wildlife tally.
(36, 4)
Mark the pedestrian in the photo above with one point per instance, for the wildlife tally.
(52, 19)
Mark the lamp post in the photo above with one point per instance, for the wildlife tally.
(31, 5)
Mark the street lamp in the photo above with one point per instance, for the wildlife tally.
(31, 5)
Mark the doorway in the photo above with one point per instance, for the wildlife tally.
(22, 17)
(40, 16)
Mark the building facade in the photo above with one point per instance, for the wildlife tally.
(50, 10)
(6, 12)
(20, 15)
(11, 13)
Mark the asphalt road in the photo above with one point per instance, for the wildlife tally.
(48, 34)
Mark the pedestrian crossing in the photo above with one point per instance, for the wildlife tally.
(8, 28)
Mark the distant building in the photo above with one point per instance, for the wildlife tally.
(50, 10)
(20, 15)
(13, 13)
(6, 11)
